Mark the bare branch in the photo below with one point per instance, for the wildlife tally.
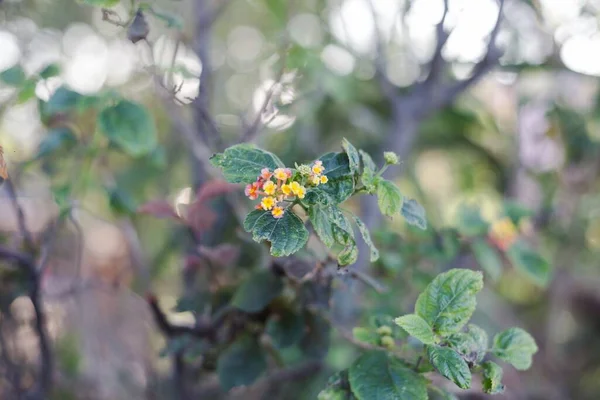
(12, 195)
(437, 63)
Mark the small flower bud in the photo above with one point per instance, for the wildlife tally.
(390, 157)
(388, 342)
(304, 169)
(384, 330)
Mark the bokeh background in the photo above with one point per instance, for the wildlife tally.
(473, 123)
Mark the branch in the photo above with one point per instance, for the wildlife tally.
(12, 195)
(490, 59)
(437, 63)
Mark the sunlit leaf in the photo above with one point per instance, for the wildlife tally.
(492, 378)
(449, 300)
(130, 126)
(287, 234)
(389, 198)
(515, 346)
(416, 327)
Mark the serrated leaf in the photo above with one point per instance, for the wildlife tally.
(416, 327)
(471, 344)
(414, 213)
(366, 335)
(487, 257)
(366, 235)
(353, 157)
(257, 291)
(389, 198)
(50, 71)
(287, 234)
(321, 222)
(375, 376)
(242, 363)
(14, 76)
(285, 329)
(534, 266)
(242, 163)
(368, 163)
(130, 126)
(492, 378)
(448, 302)
(516, 347)
(450, 365)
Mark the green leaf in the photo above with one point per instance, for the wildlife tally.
(56, 139)
(487, 257)
(241, 364)
(448, 302)
(470, 222)
(366, 235)
(279, 9)
(368, 163)
(130, 126)
(366, 335)
(63, 100)
(472, 344)
(257, 292)
(338, 388)
(286, 234)
(516, 347)
(492, 378)
(450, 365)
(14, 76)
(27, 91)
(121, 201)
(389, 198)
(100, 3)
(524, 259)
(353, 157)
(50, 71)
(316, 341)
(516, 212)
(320, 217)
(242, 163)
(416, 327)
(348, 255)
(375, 376)
(414, 213)
(286, 329)
(340, 185)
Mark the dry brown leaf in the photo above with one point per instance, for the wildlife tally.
(3, 168)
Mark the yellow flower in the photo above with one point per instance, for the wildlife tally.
(277, 212)
(282, 173)
(315, 180)
(324, 179)
(318, 167)
(298, 190)
(269, 188)
(286, 189)
(267, 203)
(503, 233)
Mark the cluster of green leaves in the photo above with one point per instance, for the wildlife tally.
(349, 172)
(453, 347)
(475, 230)
(25, 85)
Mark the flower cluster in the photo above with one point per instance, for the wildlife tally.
(503, 233)
(280, 186)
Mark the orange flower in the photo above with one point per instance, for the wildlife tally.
(503, 233)
(265, 174)
(282, 173)
(278, 212)
(252, 191)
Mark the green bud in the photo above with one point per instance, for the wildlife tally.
(304, 169)
(384, 330)
(388, 342)
(390, 157)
